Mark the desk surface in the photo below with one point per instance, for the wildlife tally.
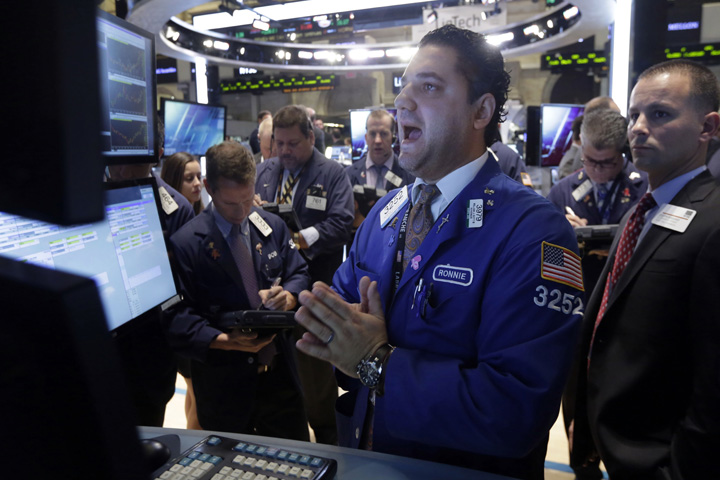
(352, 464)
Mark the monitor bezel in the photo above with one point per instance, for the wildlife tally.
(165, 100)
(153, 157)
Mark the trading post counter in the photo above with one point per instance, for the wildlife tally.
(351, 464)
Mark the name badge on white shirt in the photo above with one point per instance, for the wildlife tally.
(260, 223)
(169, 205)
(392, 178)
(316, 203)
(582, 190)
(674, 218)
(393, 206)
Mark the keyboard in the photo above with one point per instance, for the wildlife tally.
(221, 458)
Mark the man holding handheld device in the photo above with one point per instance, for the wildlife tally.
(234, 259)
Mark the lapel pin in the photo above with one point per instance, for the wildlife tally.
(258, 247)
(490, 203)
(443, 221)
(415, 262)
(489, 191)
(394, 222)
(215, 254)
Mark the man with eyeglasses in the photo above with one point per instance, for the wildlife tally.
(600, 193)
(608, 185)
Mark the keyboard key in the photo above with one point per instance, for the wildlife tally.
(293, 457)
(185, 461)
(218, 476)
(261, 477)
(249, 462)
(215, 459)
(304, 460)
(248, 476)
(283, 455)
(176, 468)
(187, 470)
(195, 463)
(251, 448)
(271, 452)
(261, 464)
(316, 462)
(240, 447)
(294, 472)
(214, 441)
(194, 454)
(271, 467)
(166, 475)
(204, 457)
(198, 473)
(237, 473)
(179, 476)
(206, 466)
(283, 469)
(239, 459)
(307, 474)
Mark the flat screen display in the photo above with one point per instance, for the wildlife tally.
(125, 254)
(126, 57)
(556, 131)
(358, 120)
(192, 127)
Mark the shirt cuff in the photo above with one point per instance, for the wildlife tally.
(311, 235)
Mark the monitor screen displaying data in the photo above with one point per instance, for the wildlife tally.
(126, 56)
(556, 131)
(192, 127)
(125, 254)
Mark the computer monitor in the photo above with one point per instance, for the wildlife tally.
(128, 129)
(358, 120)
(342, 155)
(66, 410)
(125, 253)
(192, 127)
(556, 131)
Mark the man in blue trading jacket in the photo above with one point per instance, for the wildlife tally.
(380, 168)
(464, 292)
(230, 257)
(320, 194)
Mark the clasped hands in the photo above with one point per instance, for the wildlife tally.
(339, 332)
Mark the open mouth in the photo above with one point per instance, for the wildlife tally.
(411, 133)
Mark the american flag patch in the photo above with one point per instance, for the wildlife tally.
(561, 265)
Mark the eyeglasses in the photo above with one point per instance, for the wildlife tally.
(600, 165)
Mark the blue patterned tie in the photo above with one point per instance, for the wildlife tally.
(244, 262)
(420, 221)
(380, 172)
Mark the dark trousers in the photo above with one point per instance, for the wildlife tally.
(233, 397)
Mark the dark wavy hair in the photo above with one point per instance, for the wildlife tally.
(482, 65)
(173, 172)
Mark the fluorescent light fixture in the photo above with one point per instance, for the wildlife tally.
(550, 23)
(319, 18)
(483, 15)
(571, 12)
(358, 54)
(500, 38)
(293, 36)
(260, 25)
(404, 53)
(201, 80)
(305, 55)
(321, 55)
(620, 58)
(531, 30)
(292, 10)
(376, 53)
(242, 50)
(208, 43)
(288, 55)
(221, 45)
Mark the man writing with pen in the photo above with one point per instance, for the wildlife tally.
(452, 322)
(231, 257)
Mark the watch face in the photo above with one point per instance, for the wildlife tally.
(369, 373)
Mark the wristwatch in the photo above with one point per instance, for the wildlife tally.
(370, 369)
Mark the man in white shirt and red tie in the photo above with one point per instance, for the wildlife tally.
(650, 392)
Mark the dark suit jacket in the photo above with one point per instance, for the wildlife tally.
(357, 172)
(633, 185)
(325, 177)
(510, 162)
(652, 389)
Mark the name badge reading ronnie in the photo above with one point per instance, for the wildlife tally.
(260, 223)
(316, 203)
(449, 274)
(393, 206)
(475, 213)
(674, 218)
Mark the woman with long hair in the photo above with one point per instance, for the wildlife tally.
(182, 171)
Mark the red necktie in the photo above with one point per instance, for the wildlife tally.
(625, 249)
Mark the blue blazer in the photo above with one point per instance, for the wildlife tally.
(357, 172)
(633, 185)
(477, 375)
(322, 175)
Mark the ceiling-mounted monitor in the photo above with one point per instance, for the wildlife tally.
(192, 127)
(556, 121)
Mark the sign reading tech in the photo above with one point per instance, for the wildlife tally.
(478, 18)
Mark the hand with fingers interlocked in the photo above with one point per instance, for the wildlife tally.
(339, 332)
